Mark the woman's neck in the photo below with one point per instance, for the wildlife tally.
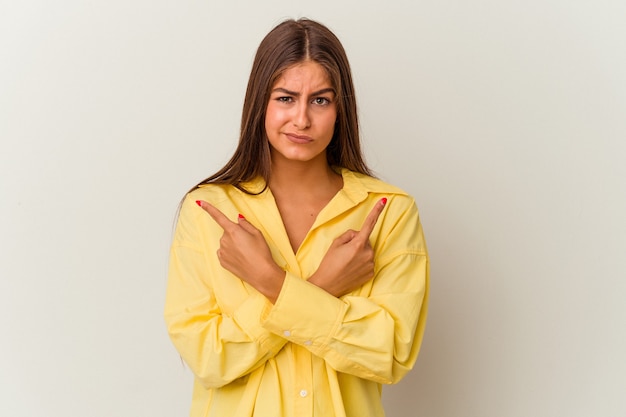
(312, 178)
(301, 190)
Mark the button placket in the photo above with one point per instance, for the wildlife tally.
(303, 382)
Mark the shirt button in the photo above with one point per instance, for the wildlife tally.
(287, 333)
(308, 343)
(303, 393)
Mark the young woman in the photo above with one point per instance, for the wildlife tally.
(298, 283)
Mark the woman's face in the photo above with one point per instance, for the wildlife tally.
(301, 114)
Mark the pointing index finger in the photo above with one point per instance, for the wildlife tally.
(217, 215)
(372, 218)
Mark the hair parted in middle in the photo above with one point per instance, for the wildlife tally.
(290, 43)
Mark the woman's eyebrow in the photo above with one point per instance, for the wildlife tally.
(295, 94)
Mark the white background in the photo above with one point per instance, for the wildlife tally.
(505, 119)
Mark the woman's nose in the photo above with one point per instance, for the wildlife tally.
(301, 118)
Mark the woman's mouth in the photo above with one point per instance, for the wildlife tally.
(301, 139)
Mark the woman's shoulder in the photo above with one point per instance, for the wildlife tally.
(210, 192)
(357, 181)
(217, 191)
(223, 196)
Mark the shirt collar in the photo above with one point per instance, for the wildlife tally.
(356, 186)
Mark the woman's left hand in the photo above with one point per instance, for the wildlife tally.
(244, 252)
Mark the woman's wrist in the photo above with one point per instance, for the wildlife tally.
(270, 282)
(316, 279)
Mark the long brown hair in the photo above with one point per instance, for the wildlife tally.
(289, 43)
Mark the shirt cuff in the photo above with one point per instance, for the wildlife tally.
(247, 316)
(304, 314)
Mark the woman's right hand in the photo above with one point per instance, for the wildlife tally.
(244, 252)
(349, 262)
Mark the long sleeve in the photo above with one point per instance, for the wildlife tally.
(220, 344)
(374, 332)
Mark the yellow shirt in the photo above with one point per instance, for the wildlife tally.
(309, 354)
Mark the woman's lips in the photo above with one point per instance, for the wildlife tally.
(298, 138)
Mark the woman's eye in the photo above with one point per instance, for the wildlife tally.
(321, 101)
(284, 99)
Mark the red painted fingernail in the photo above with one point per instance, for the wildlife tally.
(198, 202)
(241, 216)
(384, 200)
